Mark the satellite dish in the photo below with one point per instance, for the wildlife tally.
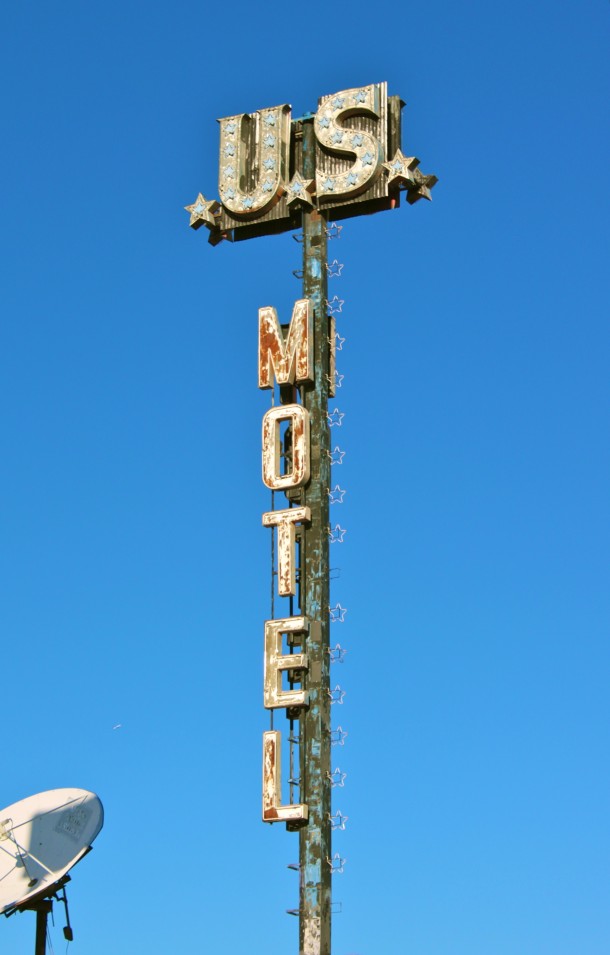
(41, 839)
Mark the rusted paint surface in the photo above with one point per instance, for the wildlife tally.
(273, 810)
(284, 521)
(311, 936)
(298, 473)
(254, 156)
(265, 178)
(332, 360)
(290, 356)
(270, 191)
(315, 837)
(338, 176)
(277, 662)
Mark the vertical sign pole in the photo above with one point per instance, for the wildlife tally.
(315, 837)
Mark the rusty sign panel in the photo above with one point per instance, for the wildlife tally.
(276, 663)
(273, 810)
(284, 521)
(359, 167)
(297, 417)
(290, 359)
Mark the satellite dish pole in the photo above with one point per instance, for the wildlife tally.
(42, 909)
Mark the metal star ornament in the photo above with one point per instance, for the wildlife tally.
(335, 304)
(337, 534)
(300, 190)
(333, 231)
(335, 418)
(338, 820)
(336, 864)
(203, 212)
(337, 614)
(336, 456)
(422, 187)
(337, 778)
(336, 495)
(337, 653)
(336, 696)
(339, 342)
(338, 736)
(334, 269)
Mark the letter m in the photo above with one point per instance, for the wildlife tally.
(289, 355)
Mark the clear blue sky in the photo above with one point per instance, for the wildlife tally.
(135, 571)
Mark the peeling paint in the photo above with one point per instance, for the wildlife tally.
(315, 838)
(284, 521)
(276, 662)
(273, 810)
(311, 936)
(298, 473)
(291, 357)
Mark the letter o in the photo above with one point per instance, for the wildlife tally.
(298, 416)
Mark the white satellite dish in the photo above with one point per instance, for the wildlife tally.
(41, 838)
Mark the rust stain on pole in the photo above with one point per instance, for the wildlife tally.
(315, 837)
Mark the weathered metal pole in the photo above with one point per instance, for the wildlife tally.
(43, 908)
(315, 836)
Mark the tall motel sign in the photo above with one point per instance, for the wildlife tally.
(278, 174)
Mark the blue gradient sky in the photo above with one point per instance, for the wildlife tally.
(134, 565)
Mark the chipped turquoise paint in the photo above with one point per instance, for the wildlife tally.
(312, 873)
(315, 838)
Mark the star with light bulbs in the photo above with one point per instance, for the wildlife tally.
(300, 190)
(338, 736)
(336, 456)
(400, 169)
(336, 696)
(203, 212)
